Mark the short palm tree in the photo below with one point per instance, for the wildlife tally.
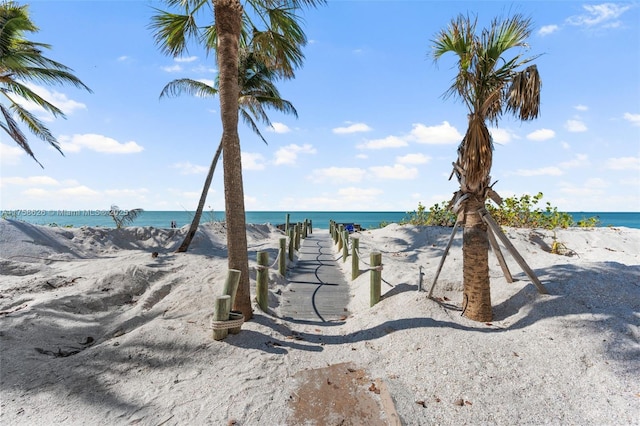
(257, 91)
(22, 61)
(274, 29)
(490, 81)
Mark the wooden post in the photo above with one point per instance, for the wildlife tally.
(221, 310)
(231, 285)
(291, 244)
(282, 257)
(304, 229)
(376, 278)
(340, 242)
(262, 280)
(310, 226)
(298, 236)
(355, 261)
(286, 224)
(345, 246)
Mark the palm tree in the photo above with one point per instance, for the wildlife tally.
(489, 83)
(257, 91)
(22, 61)
(274, 29)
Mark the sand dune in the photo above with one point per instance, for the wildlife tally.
(94, 330)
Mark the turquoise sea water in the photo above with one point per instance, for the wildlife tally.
(162, 219)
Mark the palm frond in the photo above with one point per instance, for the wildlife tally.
(11, 128)
(523, 95)
(188, 86)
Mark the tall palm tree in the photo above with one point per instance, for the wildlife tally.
(257, 91)
(490, 81)
(275, 31)
(22, 61)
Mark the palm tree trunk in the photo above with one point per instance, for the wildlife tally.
(228, 18)
(475, 264)
(203, 198)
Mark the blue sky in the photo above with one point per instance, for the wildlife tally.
(373, 133)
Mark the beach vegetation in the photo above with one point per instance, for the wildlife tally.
(22, 62)
(274, 30)
(494, 77)
(123, 217)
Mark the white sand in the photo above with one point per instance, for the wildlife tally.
(571, 357)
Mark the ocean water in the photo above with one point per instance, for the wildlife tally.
(163, 219)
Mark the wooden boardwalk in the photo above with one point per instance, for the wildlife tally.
(317, 290)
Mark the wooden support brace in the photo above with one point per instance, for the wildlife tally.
(503, 238)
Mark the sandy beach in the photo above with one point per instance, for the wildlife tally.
(94, 330)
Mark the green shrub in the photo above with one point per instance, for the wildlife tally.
(522, 212)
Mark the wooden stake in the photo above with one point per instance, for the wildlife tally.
(444, 255)
(496, 229)
(496, 250)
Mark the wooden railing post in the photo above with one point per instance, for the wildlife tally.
(298, 236)
(262, 280)
(282, 257)
(286, 224)
(291, 243)
(345, 245)
(376, 277)
(230, 288)
(355, 257)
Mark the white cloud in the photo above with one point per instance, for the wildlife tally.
(413, 159)
(397, 171)
(441, 134)
(172, 68)
(623, 163)
(541, 135)
(124, 192)
(544, 171)
(10, 155)
(575, 126)
(78, 191)
(632, 118)
(289, 154)
(591, 187)
(352, 128)
(352, 194)
(98, 143)
(501, 136)
(581, 160)
(605, 14)
(388, 142)
(252, 161)
(186, 168)
(338, 174)
(278, 128)
(187, 59)
(548, 29)
(580, 107)
(31, 180)
(123, 58)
